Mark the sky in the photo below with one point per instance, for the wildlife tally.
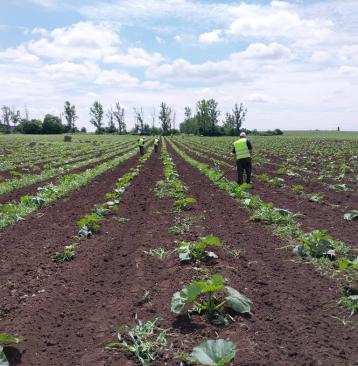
(293, 64)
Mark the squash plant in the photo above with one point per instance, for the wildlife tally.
(218, 352)
(209, 297)
(196, 251)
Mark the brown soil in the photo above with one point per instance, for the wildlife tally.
(314, 216)
(77, 306)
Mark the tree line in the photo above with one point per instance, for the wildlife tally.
(204, 121)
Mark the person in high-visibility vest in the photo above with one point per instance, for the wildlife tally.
(156, 144)
(243, 152)
(141, 145)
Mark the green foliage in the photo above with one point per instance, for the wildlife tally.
(196, 251)
(316, 197)
(89, 224)
(319, 243)
(67, 255)
(263, 178)
(350, 302)
(207, 298)
(273, 216)
(297, 188)
(218, 352)
(184, 203)
(145, 341)
(345, 264)
(7, 340)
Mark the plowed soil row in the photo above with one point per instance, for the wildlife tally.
(346, 200)
(314, 216)
(32, 189)
(77, 306)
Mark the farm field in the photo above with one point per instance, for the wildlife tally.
(94, 236)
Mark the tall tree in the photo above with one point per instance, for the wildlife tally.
(6, 116)
(165, 118)
(118, 115)
(239, 114)
(187, 112)
(70, 116)
(139, 115)
(96, 113)
(15, 116)
(111, 126)
(229, 121)
(207, 116)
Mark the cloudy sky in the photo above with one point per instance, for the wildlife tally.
(293, 64)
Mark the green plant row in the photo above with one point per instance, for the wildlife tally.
(29, 179)
(90, 224)
(10, 213)
(318, 246)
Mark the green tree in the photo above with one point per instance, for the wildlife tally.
(70, 116)
(239, 114)
(111, 126)
(207, 116)
(6, 116)
(96, 114)
(165, 118)
(52, 125)
(118, 115)
(33, 127)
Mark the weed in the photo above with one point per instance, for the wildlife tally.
(145, 341)
(160, 253)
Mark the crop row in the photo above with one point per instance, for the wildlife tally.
(11, 213)
(332, 257)
(29, 179)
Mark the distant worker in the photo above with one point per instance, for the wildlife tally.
(156, 144)
(243, 152)
(141, 145)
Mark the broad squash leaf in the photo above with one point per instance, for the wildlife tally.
(238, 302)
(214, 352)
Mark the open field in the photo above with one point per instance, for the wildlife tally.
(89, 240)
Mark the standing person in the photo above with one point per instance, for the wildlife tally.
(156, 144)
(243, 152)
(141, 145)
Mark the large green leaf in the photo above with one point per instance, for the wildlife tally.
(186, 296)
(215, 283)
(7, 339)
(211, 240)
(214, 352)
(3, 360)
(237, 301)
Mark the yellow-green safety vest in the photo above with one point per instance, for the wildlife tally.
(241, 149)
(156, 142)
(141, 142)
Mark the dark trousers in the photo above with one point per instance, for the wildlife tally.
(155, 148)
(141, 150)
(244, 165)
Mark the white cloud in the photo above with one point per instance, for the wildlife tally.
(177, 38)
(277, 20)
(135, 57)
(113, 77)
(351, 71)
(210, 37)
(69, 71)
(262, 51)
(18, 55)
(83, 40)
(349, 53)
(256, 98)
(158, 40)
(321, 56)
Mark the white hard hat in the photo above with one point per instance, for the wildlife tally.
(242, 134)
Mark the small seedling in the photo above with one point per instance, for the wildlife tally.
(184, 203)
(7, 340)
(67, 255)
